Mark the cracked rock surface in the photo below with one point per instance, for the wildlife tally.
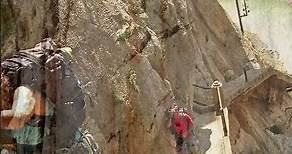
(133, 56)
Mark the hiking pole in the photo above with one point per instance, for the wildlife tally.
(217, 85)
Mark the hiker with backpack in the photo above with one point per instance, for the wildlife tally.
(42, 103)
(181, 125)
(28, 107)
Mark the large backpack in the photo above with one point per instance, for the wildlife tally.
(46, 70)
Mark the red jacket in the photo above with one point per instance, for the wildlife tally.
(181, 123)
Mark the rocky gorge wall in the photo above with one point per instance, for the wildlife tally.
(260, 122)
(133, 57)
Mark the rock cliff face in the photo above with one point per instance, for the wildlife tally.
(261, 122)
(132, 57)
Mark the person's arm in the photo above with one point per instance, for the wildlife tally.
(170, 118)
(169, 123)
(190, 122)
(6, 116)
(22, 109)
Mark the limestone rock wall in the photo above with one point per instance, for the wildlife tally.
(132, 57)
(261, 122)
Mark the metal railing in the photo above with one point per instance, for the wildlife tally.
(245, 11)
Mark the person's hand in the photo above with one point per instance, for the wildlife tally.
(185, 135)
(7, 147)
(172, 110)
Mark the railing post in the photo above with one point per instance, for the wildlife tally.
(217, 85)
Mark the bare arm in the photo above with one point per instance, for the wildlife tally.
(171, 114)
(22, 109)
(169, 123)
(190, 122)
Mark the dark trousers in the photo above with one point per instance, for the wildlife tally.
(29, 149)
(179, 142)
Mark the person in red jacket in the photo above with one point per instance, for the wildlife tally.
(181, 125)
